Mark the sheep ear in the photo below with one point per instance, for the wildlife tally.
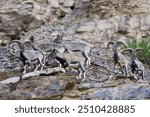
(120, 43)
(15, 41)
(127, 50)
(54, 51)
(31, 38)
(66, 50)
(111, 42)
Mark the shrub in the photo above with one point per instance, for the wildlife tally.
(144, 55)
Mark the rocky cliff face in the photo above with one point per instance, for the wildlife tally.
(92, 21)
(103, 18)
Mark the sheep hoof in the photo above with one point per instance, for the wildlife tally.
(136, 77)
(24, 72)
(83, 79)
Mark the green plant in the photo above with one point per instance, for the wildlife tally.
(145, 54)
(133, 44)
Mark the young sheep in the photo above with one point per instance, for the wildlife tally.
(46, 48)
(118, 58)
(73, 60)
(77, 46)
(80, 47)
(29, 56)
(135, 65)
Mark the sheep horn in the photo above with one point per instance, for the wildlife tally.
(128, 49)
(15, 41)
(111, 42)
(12, 42)
(120, 43)
(137, 49)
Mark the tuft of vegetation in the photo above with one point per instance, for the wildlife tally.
(144, 55)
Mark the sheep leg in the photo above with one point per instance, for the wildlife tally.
(126, 71)
(24, 69)
(37, 66)
(42, 66)
(83, 71)
(79, 69)
(123, 68)
(87, 61)
(135, 74)
(42, 62)
(60, 65)
(26, 64)
(142, 73)
(121, 71)
(115, 69)
(80, 75)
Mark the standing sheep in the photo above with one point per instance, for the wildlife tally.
(118, 57)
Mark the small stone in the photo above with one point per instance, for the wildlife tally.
(68, 3)
(55, 3)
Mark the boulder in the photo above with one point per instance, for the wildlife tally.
(46, 87)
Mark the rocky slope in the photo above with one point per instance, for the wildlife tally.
(92, 21)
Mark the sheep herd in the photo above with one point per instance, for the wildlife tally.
(75, 55)
(127, 64)
(70, 54)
